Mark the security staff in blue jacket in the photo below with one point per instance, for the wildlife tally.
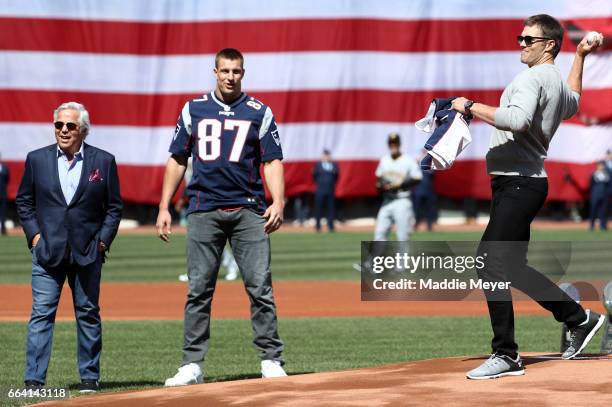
(325, 176)
(600, 187)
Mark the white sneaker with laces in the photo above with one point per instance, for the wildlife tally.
(272, 368)
(187, 374)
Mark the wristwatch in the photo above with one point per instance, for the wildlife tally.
(467, 106)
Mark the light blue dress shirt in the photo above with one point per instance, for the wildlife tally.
(69, 173)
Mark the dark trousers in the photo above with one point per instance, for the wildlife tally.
(2, 215)
(516, 201)
(300, 208)
(328, 199)
(425, 209)
(599, 210)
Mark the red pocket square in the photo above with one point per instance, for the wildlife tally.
(95, 176)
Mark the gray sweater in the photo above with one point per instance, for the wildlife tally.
(531, 109)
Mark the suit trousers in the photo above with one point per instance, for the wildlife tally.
(327, 199)
(47, 283)
(207, 233)
(3, 203)
(599, 210)
(515, 203)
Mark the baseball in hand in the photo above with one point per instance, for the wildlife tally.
(594, 37)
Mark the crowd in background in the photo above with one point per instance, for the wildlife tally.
(426, 202)
(324, 207)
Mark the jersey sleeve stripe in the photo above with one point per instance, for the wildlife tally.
(266, 122)
(186, 118)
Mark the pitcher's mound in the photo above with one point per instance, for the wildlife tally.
(547, 381)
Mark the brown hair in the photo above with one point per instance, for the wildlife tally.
(550, 27)
(229, 53)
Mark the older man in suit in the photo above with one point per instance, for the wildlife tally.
(70, 207)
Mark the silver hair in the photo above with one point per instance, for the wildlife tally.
(84, 123)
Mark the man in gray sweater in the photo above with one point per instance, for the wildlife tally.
(531, 109)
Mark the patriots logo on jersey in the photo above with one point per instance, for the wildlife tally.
(276, 137)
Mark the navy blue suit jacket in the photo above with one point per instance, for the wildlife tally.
(325, 180)
(4, 180)
(93, 214)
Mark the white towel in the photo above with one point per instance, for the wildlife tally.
(453, 142)
(427, 123)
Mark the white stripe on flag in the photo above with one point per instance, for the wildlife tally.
(280, 71)
(346, 140)
(199, 10)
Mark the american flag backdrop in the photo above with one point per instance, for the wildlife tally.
(338, 74)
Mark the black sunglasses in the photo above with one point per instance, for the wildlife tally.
(70, 126)
(530, 40)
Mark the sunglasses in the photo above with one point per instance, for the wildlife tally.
(529, 40)
(70, 126)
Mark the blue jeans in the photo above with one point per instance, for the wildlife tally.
(47, 285)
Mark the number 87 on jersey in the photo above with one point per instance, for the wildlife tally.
(234, 138)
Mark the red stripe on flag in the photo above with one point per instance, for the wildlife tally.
(256, 36)
(144, 38)
(288, 107)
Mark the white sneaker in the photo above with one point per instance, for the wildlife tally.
(272, 368)
(188, 374)
(232, 273)
(184, 278)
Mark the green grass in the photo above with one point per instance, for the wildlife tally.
(141, 354)
(307, 256)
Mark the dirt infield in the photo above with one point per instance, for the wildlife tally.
(165, 301)
(548, 381)
(431, 382)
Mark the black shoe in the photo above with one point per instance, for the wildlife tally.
(581, 335)
(33, 385)
(89, 386)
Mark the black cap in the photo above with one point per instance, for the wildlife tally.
(394, 138)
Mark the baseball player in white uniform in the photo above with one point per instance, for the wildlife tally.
(395, 175)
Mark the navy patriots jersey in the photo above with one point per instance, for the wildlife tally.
(228, 143)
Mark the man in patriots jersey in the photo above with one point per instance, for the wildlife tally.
(229, 135)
